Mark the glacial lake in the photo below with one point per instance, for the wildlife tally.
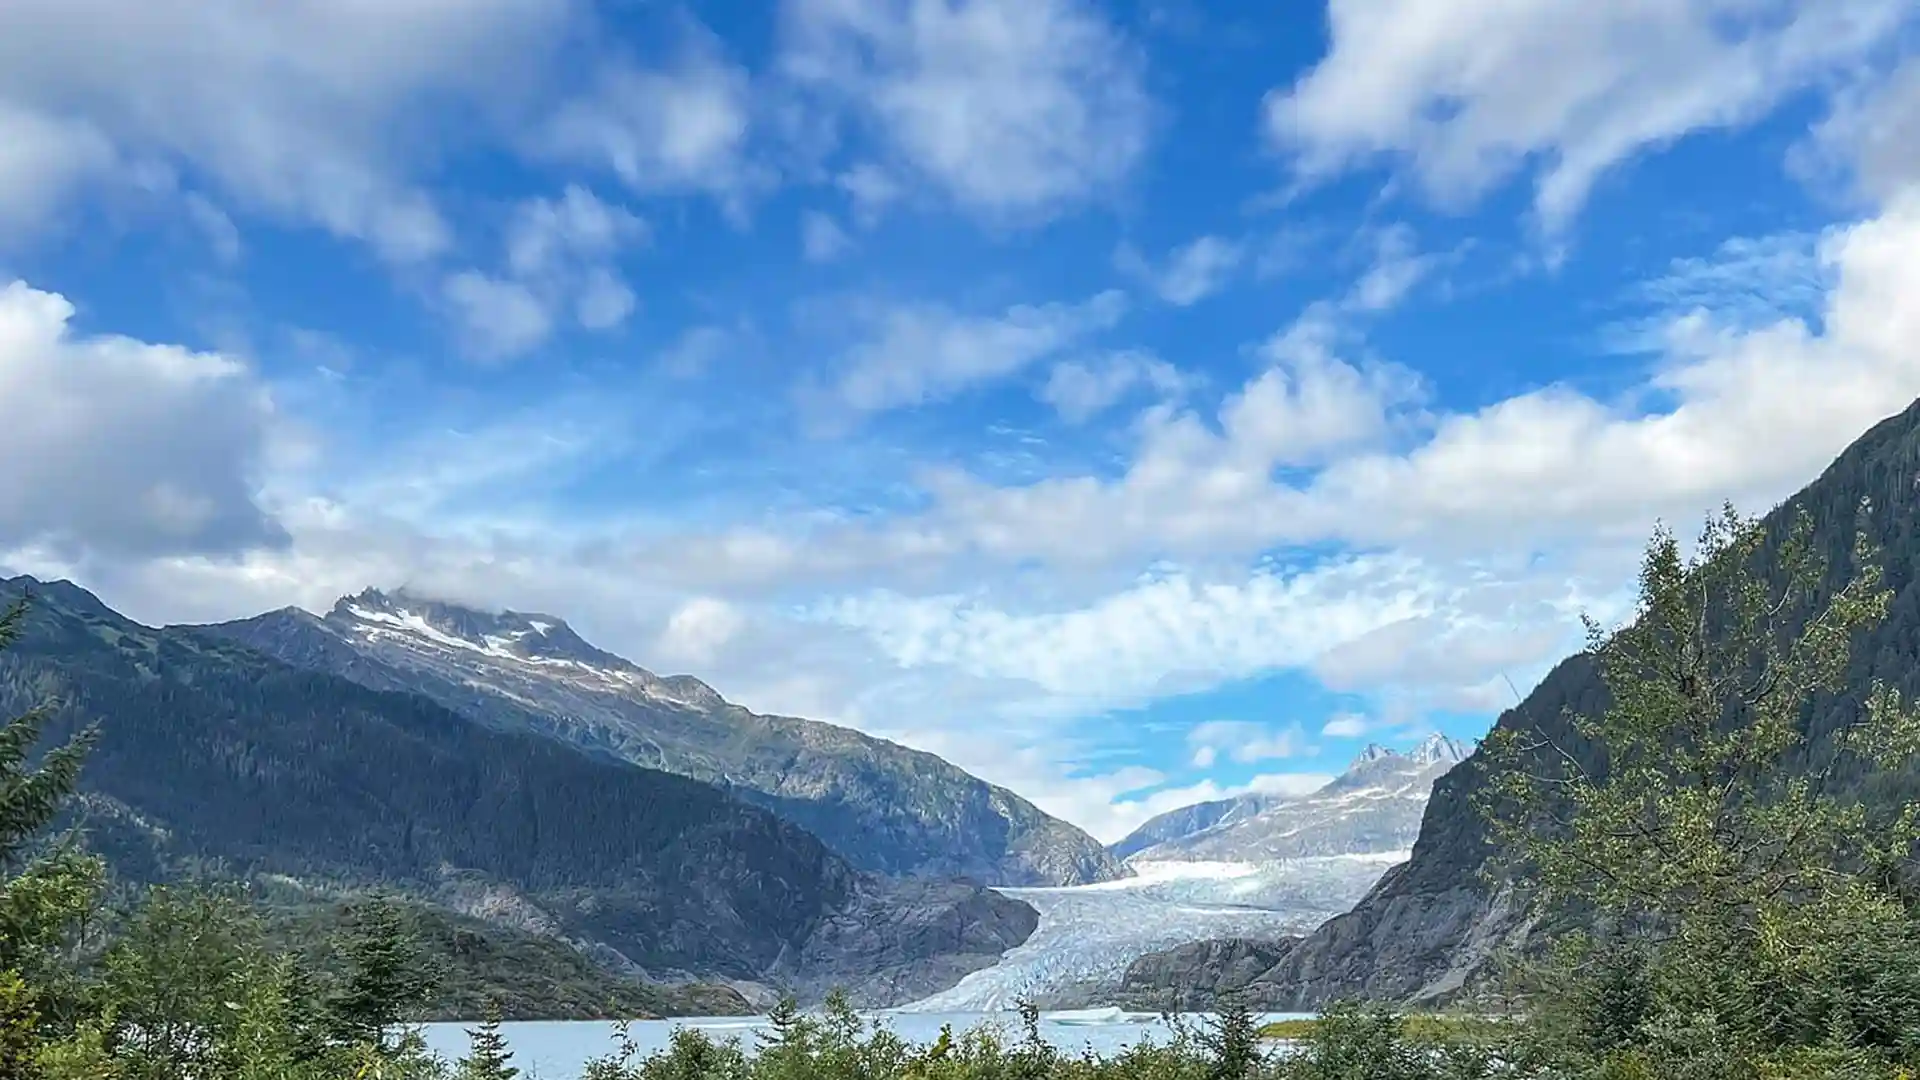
(559, 1050)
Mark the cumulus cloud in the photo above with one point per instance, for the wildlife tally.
(1466, 94)
(1081, 389)
(118, 448)
(560, 260)
(1875, 134)
(305, 111)
(1015, 109)
(676, 129)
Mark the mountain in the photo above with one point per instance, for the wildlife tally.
(886, 808)
(1372, 808)
(1427, 930)
(217, 760)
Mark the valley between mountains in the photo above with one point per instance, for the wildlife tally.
(647, 840)
(577, 836)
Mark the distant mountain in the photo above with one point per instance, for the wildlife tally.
(218, 760)
(1372, 808)
(1428, 930)
(886, 808)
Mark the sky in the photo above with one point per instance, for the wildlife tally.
(1134, 403)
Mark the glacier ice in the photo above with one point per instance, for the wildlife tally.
(1088, 934)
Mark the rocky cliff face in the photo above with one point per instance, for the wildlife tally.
(887, 808)
(1430, 925)
(1375, 806)
(216, 757)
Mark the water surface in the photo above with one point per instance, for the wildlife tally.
(559, 1050)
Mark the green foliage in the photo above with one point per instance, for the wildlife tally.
(384, 981)
(489, 1058)
(1754, 904)
(31, 796)
(183, 981)
(1233, 1043)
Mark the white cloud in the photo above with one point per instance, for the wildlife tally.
(1468, 93)
(1114, 820)
(41, 159)
(546, 235)
(1190, 273)
(499, 318)
(1162, 636)
(1747, 283)
(1014, 108)
(1244, 742)
(120, 448)
(1345, 725)
(921, 353)
(698, 629)
(684, 128)
(697, 348)
(605, 301)
(1396, 268)
(1544, 467)
(560, 260)
(314, 113)
(821, 238)
(1875, 133)
(1081, 389)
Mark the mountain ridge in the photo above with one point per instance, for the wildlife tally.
(889, 808)
(216, 760)
(1427, 930)
(1372, 807)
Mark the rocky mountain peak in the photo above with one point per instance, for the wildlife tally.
(525, 635)
(1439, 748)
(1373, 753)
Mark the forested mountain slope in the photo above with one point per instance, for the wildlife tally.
(1431, 924)
(887, 808)
(217, 758)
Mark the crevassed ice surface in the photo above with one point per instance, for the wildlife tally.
(1088, 934)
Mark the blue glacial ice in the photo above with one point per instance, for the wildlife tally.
(1088, 934)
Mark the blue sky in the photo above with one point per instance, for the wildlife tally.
(1135, 403)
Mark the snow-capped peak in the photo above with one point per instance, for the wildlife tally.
(521, 635)
(1438, 747)
(475, 647)
(1373, 752)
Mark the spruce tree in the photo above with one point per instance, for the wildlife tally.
(1232, 1041)
(31, 797)
(385, 980)
(47, 893)
(488, 1058)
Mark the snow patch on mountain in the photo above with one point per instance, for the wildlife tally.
(1375, 806)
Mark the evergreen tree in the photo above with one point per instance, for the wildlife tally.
(1232, 1042)
(384, 982)
(47, 896)
(488, 1058)
(31, 797)
(1694, 813)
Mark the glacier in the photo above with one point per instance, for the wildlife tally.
(1088, 934)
